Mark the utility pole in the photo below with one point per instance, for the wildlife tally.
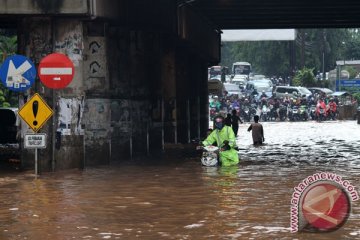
(323, 54)
(302, 33)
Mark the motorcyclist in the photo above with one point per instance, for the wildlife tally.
(224, 137)
(287, 101)
(320, 104)
(304, 101)
(263, 102)
(215, 104)
(263, 95)
(254, 93)
(276, 107)
(332, 108)
(246, 103)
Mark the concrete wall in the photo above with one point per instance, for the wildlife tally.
(137, 86)
(90, 8)
(347, 112)
(41, 6)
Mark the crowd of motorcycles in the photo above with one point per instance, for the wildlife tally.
(277, 109)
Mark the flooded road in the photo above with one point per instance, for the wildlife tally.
(182, 200)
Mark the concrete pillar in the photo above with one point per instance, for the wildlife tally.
(40, 37)
(131, 87)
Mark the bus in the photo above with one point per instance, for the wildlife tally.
(215, 71)
(242, 69)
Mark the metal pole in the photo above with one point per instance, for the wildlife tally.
(175, 130)
(110, 150)
(163, 123)
(188, 119)
(53, 130)
(84, 147)
(131, 147)
(323, 70)
(198, 117)
(147, 140)
(36, 163)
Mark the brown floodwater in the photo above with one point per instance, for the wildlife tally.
(182, 199)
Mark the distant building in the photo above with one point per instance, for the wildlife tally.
(343, 80)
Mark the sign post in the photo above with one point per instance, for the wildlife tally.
(35, 141)
(35, 113)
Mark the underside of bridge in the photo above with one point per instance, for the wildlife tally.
(262, 14)
(140, 67)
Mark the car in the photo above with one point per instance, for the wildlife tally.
(8, 128)
(9, 144)
(257, 76)
(232, 89)
(239, 80)
(320, 91)
(259, 86)
(292, 91)
(265, 80)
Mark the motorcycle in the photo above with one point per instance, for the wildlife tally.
(332, 113)
(272, 115)
(264, 113)
(303, 115)
(246, 114)
(322, 114)
(212, 112)
(253, 111)
(283, 112)
(294, 114)
(312, 112)
(210, 156)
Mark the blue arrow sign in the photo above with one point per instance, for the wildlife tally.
(17, 73)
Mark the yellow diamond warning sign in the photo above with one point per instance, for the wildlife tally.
(35, 112)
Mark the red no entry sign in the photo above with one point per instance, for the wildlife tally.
(56, 70)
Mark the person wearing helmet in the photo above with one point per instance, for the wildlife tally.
(225, 138)
(263, 94)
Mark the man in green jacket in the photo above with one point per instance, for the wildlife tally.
(225, 138)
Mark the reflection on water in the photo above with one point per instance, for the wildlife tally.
(185, 200)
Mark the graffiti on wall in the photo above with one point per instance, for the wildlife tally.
(95, 64)
(70, 116)
(71, 43)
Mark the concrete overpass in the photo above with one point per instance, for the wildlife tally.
(141, 66)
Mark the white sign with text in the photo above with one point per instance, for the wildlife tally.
(35, 140)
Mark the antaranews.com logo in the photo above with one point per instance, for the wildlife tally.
(321, 203)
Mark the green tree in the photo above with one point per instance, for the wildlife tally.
(8, 46)
(352, 46)
(304, 77)
(357, 97)
(266, 57)
(320, 48)
(352, 71)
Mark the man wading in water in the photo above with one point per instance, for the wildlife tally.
(257, 131)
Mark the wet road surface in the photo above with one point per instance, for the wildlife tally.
(182, 200)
